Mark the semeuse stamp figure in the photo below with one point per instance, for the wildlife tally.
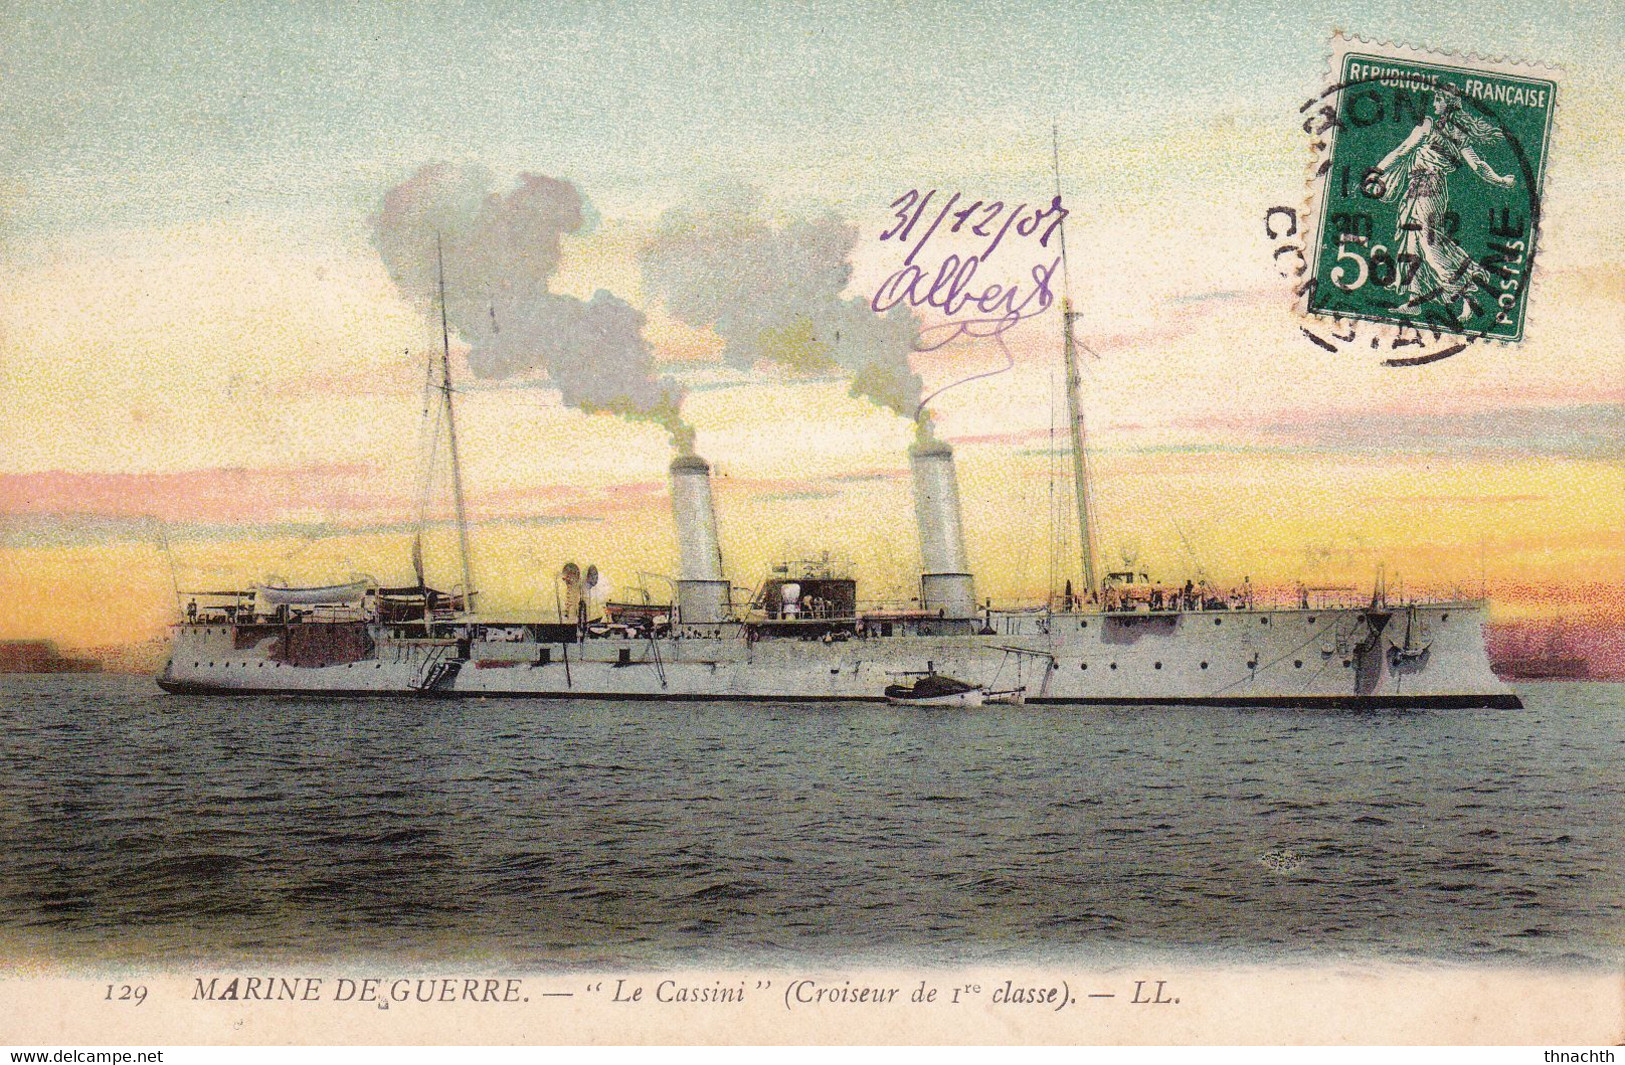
(1416, 175)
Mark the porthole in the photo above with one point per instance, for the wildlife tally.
(211, 665)
(1297, 663)
(1204, 665)
(195, 665)
(1263, 621)
(1083, 624)
(1114, 665)
(1311, 619)
(1347, 663)
(1158, 665)
(1444, 617)
(1218, 621)
(1083, 665)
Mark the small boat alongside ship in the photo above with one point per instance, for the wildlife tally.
(934, 689)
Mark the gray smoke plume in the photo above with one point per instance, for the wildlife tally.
(772, 292)
(501, 252)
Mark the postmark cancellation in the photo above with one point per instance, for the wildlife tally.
(1427, 189)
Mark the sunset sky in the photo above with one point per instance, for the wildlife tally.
(199, 341)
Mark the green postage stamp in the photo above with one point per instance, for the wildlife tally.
(1429, 185)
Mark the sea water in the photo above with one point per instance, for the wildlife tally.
(143, 828)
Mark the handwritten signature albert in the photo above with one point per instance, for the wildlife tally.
(996, 308)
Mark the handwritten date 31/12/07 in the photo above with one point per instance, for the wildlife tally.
(978, 218)
(996, 307)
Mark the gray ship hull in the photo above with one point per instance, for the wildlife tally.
(1333, 658)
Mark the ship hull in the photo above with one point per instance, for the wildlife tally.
(1343, 658)
(1490, 701)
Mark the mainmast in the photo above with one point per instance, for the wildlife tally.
(1074, 405)
(451, 435)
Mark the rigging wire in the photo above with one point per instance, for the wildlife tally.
(1049, 596)
(428, 449)
(1190, 552)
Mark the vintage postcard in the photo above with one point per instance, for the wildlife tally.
(797, 523)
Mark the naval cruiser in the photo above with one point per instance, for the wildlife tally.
(804, 634)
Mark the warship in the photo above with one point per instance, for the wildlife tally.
(804, 634)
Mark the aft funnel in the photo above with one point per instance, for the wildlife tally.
(946, 586)
(702, 591)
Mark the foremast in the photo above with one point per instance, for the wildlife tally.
(451, 436)
(1074, 405)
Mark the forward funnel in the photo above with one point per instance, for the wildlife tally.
(702, 591)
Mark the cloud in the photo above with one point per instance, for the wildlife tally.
(234, 494)
(1591, 431)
